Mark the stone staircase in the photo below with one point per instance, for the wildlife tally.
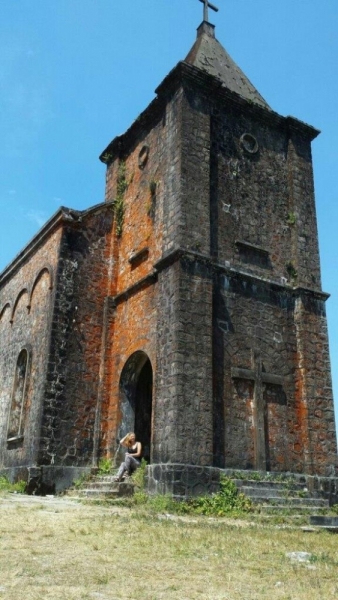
(273, 495)
(104, 487)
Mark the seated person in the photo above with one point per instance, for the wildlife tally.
(132, 458)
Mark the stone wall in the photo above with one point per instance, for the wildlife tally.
(262, 197)
(264, 239)
(132, 330)
(183, 419)
(313, 386)
(152, 224)
(73, 376)
(26, 300)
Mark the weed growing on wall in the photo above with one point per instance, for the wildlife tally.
(291, 219)
(122, 186)
(291, 270)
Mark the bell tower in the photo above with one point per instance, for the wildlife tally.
(237, 334)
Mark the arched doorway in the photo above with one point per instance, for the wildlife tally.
(136, 385)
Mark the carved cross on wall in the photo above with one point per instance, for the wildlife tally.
(208, 5)
(259, 377)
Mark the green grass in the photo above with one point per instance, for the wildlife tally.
(80, 551)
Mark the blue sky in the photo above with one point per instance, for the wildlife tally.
(76, 73)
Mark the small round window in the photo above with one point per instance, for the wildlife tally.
(249, 143)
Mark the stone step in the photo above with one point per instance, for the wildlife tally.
(273, 476)
(273, 493)
(105, 478)
(265, 476)
(283, 485)
(102, 484)
(93, 493)
(274, 509)
(319, 503)
(108, 490)
(324, 521)
(265, 492)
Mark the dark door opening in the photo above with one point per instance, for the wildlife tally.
(143, 402)
(136, 386)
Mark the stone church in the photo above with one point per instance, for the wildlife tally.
(187, 306)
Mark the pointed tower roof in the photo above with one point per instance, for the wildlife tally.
(208, 55)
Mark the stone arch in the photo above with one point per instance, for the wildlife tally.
(18, 397)
(18, 298)
(136, 383)
(6, 307)
(45, 269)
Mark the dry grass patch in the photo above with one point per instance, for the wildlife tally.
(58, 549)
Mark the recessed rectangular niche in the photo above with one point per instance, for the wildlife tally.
(138, 257)
(16, 417)
(15, 442)
(251, 254)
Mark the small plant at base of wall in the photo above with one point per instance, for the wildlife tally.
(227, 502)
(14, 488)
(138, 477)
(105, 466)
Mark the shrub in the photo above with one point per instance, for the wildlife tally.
(6, 486)
(227, 500)
(138, 477)
(105, 466)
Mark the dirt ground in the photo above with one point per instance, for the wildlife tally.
(60, 548)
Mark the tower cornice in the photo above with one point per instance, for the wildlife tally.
(185, 74)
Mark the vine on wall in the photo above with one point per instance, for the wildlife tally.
(118, 204)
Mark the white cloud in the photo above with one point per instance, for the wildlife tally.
(37, 216)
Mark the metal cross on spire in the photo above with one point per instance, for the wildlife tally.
(208, 5)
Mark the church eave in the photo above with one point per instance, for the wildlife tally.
(63, 216)
(302, 128)
(46, 230)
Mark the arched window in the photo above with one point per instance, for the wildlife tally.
(16, 416)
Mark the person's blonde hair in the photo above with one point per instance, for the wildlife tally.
(128, 436)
